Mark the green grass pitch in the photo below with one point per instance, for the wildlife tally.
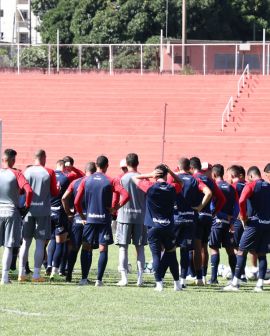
(67, 309)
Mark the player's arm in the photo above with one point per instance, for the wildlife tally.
(123, 195)
(207, 195)
(78, 200)
(245, 195)
(24, 186)
(78, 172)
(65, 200)
(219, 198)
(54, 187)
(142, 181)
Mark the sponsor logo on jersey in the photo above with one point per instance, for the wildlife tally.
(93, 215)
(161, 221)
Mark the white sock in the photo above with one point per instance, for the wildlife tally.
(124, 276)
(6, 262)
(159, 286)
(23, 255)
(259, 283)
(123, 258)
(183, 281)
(177, 285)
(235, 281)
(55, 270)
(36, 273)
(140, 262)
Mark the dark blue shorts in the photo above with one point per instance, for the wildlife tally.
(220, 235)
(59, 223)
(203, 228)
(159, 238)
(76, 233)
(184, 234)
(97, 234)
(238, 231)
(256, 237)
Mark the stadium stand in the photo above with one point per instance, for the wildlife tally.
(86, 115)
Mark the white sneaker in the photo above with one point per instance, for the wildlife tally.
(204, 280)
(98, 283)
(84, 282)
(122, 283)
(159, 286)
(140, 282)
(190, 278)
(258, 289)
(231, 288)
(177, 286)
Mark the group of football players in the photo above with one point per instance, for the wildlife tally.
(197, 207)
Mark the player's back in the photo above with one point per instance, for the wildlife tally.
(190, 195)
(98, 198)
(40, 181)
(9, 190)
(260, 202)
(230, 196)
(160, 199)
(63, 181)
(134, 210)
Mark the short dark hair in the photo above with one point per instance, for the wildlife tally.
(163, 168)
(102, 161)
(60, 162)
(184, 163)
(90, 167)
(132, 160)
(40, 154)
(195, 163)
(10, 153)
(68, 159)
(254, 170)
(235, 170)
(242, 171)
(218, 170)
(267, 168)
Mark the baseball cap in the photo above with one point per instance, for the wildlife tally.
(123, 163)
(206, 166)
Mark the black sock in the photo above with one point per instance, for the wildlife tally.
(214, 266)
(184, 255)
(86, 261)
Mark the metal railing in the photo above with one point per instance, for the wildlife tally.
(226, 113)
(241, 82)
(201, 58)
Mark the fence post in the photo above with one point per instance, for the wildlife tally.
(58, 60)
(204, 61)
(263, 56)
(49, 59)
(141, 59)
(172, 59)
(236, 60)
(18, 59)
(111, 59)
(80, 58)
(268, 58)
(161, 52)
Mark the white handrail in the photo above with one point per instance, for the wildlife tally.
(241, 82)
(226, 112)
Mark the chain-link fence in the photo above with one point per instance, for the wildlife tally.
(139, 58)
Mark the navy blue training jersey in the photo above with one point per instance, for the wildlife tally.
(231, 200)
(211, 185)
(56, 203)
(160, 199)
(259, 205)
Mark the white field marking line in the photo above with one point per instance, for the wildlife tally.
(19, 312)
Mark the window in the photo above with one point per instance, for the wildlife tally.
(23, 38)
(1, 12)
(24, 14)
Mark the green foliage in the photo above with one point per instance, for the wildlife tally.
(129, 21)
(34, 57)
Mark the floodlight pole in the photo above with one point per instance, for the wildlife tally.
(184, 32)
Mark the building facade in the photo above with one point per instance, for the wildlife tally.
(18, 24)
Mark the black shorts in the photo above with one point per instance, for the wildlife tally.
(203, 228)
(59, 223)
(220, 235)
(161, 237)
